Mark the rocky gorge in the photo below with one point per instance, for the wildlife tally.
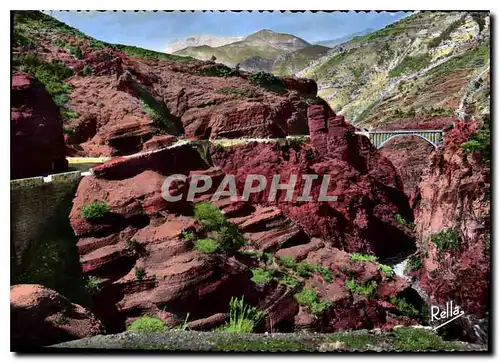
(301, 266)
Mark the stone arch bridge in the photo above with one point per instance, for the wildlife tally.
(380, 138)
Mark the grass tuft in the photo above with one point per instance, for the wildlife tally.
(139, 273)
(243, 318)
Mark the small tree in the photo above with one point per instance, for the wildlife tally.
(213, 58)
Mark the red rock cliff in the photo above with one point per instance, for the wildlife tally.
(36, 138)
(455, 194)
(368, 188)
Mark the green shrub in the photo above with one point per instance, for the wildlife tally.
(287, 261)
(209, 216)
(50, 74)
(75, 51)
(21, 39)
(61, 320)
(410, 64)
(255, 254)
(132, 244)
(326, 273)
(95, 210)
(147, 324)
(470, 146)
(404, 307)
(475, 58)
(60, 99)
(366, 289)
(260, 276)
(97, 44)
(304, 269)
(139, 273)
(414, 263)
(136, 247)
(92, 285)
(243, 318)
(306, 296)
(219, 70)
(446, 240)
(289, 281)
(487, 244)
(268, 81)
(68, 130)
(107, 56)
(229, 238)
(363, 257)
(402, 221)
(445, 35)
(190, 236)
(87, 70)
(480, 141)
(206, 245)
(309, 298)
(267, 258)
(157, 111)
(386, 269)
(313, 100)
(68, 114)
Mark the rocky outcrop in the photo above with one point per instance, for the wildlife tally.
(37, 141)
(455, 195)
(42, 317)
(145, 265)
(368, 190)
(124, 99)
(158, 99)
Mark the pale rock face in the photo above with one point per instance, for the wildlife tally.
(193, 41)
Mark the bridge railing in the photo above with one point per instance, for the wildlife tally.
(380, 138)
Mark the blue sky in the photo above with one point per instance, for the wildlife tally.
(153, 30)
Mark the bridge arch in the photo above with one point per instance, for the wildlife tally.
(380, 138)
(383, 143)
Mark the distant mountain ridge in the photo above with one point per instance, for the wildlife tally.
(336, 41)
(199, 40)
(262, 47)
(420, 67)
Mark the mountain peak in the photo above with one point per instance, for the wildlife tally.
(274, 37)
